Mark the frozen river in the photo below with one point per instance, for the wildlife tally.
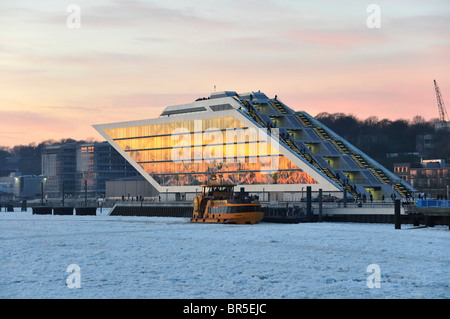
(153, 257)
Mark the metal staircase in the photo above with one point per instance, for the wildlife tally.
(279, 109)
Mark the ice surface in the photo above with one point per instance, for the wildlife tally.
(156, 257)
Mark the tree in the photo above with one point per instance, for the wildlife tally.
(28, 156)
(378, 137)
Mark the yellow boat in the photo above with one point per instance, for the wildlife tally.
(218, 204)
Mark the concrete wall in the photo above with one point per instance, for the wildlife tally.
(130, 189)
(368, 210)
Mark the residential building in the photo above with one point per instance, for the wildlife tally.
(430, 177)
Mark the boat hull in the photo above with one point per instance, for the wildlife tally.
(233, 218)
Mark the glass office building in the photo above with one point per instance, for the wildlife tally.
(74, 168)
(249, 140)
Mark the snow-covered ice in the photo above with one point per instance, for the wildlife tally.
(156, 257)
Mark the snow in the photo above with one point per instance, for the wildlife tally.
(156, 257)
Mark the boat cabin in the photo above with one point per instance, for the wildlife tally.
(219, 191)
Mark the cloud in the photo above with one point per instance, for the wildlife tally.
(24, 127)
(130, 59)
(120, 13)
(35, 119)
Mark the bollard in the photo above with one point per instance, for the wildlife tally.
(308, 203)
(320, 206)
(429, 221)
(345, 198)
(415, 219)
(397, 216)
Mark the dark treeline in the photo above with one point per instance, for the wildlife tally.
(377, 138)
(27, 158)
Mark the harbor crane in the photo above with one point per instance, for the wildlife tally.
(443, 116)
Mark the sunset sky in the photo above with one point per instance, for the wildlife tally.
(130, 59)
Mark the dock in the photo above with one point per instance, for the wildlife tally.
(293, 212)
(428, 213)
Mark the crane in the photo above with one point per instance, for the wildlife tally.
(443, 116)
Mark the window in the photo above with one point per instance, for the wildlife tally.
(241, 159)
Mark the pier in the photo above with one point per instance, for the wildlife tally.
(294, 212)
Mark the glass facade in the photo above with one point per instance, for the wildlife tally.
(97, 163)
(186, 153)
(69, 166)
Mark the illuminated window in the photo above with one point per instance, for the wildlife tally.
(185, 153)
